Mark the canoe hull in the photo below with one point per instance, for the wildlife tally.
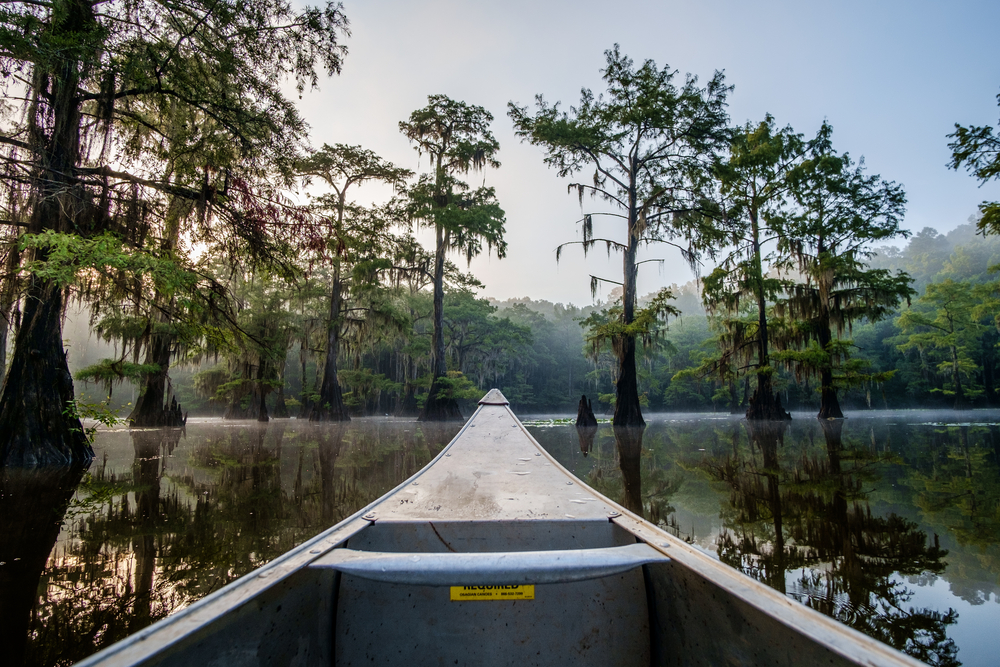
(495, 490)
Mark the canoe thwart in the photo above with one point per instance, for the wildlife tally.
(492, 568)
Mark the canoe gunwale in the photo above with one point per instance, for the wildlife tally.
(193, 622)
(189, 621)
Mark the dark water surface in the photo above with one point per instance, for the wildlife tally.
(889, 523)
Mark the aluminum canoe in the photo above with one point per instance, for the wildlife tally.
(496, 555)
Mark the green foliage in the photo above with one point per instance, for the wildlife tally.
(456, 386)
(755, 190)
(650, 144)
(978, 150)
(649, 324)
(840, 212)
(364, 385)
(112, 371)
(98, 412)
(68, 257)
(457, 139)
(944, 327)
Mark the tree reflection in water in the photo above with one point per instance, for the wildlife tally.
(622, 478)
(814, 516)
(167, 517)
(587, 435)
(189, 514)
(628, 440)
(846, 495)
(32, 506)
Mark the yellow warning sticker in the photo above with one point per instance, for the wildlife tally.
(523, 592)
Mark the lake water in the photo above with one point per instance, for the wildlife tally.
(889, 522)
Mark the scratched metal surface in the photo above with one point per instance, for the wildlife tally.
(493, 471)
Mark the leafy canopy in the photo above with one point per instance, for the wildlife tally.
(978, 150)
(649, 142)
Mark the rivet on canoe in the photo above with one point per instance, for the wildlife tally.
(569, 483)
(447, 454)
(370, 516)
(315, 551)
(538, 453)
(414, 484)
(612, 514)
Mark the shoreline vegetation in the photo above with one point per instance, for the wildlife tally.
(534, 351)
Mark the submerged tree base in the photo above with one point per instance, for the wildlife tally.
(38, 421)
(829, 407)
(439, 409)
(169, 415)
(585, 413)
(329, 406)
(766, 406)
(328, 413)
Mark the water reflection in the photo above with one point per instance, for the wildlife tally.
(855, 518)
(168, 516)
(812, 515)
(32, 507)
(587, 436)
(628, 441)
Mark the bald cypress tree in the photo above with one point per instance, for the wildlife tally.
(649, 144)
(97, 80)
(457, 139)
(755, 189)
(839, 212)
(355, 235)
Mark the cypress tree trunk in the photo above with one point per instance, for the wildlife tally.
(35, 426)
(152, 409)
(439, 409)
(261, 393)
(330, 405)
(628, 412)
(764, 404)
(829, 406)
(306, 406)
(8, 300)
(956, 377)
(37, 422)
(585, 413)
(280, 408)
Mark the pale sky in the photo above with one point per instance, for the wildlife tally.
(892, 77)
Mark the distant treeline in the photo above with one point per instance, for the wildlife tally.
(535, 351)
